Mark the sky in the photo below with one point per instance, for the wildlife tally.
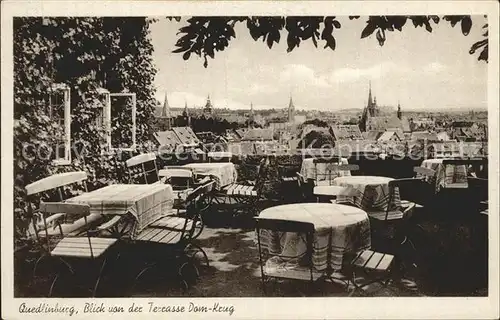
(421, 70)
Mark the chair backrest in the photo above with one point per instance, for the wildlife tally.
(304, 230)
(56, 181)
(219, 156)
(412, 189)
(426, 172)
(178, 178)
(477, 161)
(44, 187)
(68, 209)
(142, 169)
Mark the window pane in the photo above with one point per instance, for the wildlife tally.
(57, 106)
(101, 115)
(121, 121)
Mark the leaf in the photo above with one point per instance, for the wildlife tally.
(186, 55)
(380, 37)
(336, 24)
(368, 30)
(466, 25)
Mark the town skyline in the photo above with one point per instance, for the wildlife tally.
(408, 69)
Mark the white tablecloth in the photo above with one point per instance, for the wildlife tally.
(223, 173)
(146, 203)
(449, 176)
(348, 226)
(321, 171)
(372, 193)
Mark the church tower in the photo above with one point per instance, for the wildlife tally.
(208, 107)
(399, 111)
(185, 114)
(166, 115)
(291, 110)
(251, 117)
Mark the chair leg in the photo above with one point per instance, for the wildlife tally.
(94, 291)
(199, 249)
(36, 264)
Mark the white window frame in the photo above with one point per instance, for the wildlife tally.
(67, 122)
(134, 126)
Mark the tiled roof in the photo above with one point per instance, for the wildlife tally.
(424, 135)
(167, 139)
(185, 135)
(387, 136)
(343, 132)
(258, 134)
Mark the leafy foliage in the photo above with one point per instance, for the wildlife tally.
(85, 54)
(204, 36)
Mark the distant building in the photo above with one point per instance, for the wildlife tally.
(391, 136)
(346, 132)
(208, 109)
(164, 120)
(291, 111)
(373, 119)
(258, 134)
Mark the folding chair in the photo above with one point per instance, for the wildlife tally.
(47, 229)
(246, 195)
(374, 266)
(173, 236)
(394, 227)
(280, 266)
(190, 209)
(142, 169)
(77, 249)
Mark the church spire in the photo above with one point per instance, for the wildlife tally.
(399, 111)
(166, 107)
(370, 102)
(291, 110)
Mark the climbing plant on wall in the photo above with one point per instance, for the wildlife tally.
(85, 54)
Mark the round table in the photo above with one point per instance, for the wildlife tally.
(338, 229)
(373, 194)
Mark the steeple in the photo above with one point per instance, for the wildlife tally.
(291, 110)
(185, 113)
(370, 95)
(166, 108)
(399, 111)
(208, 106)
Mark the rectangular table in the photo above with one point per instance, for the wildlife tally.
(223, 173)
(146, 203)
(447, 176)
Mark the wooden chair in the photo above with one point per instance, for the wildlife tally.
(305, 187)
(142, 169)
(173, 236)
(73, 249)
(220, 156)
(190, 210)
(47, 229)
(393, 229)
(281, 266)
(245, 195)
(374, 266)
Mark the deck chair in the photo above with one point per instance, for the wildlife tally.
(142, 169)
(221, 156)
(281, 266)
(76, 249)
(51, 228)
